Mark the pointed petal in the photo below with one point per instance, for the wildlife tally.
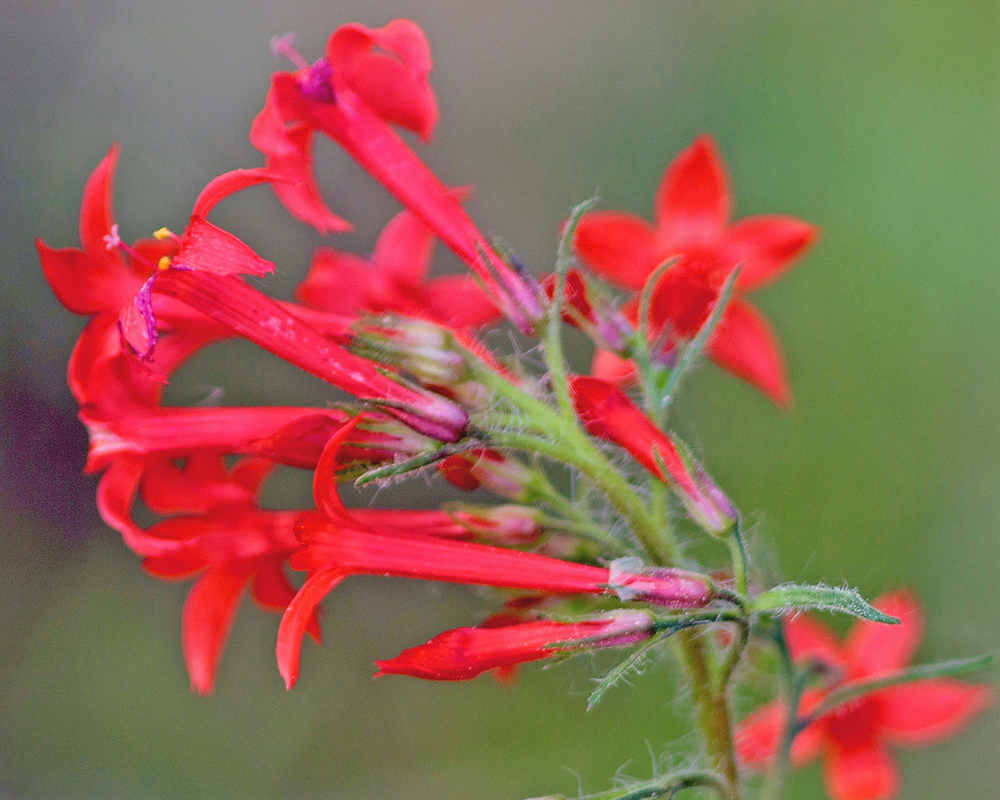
(758, 736)
(745, 345)
(866, 772)
(208, 248)
(297, 189)
(273, 590)
(115, 495)
(86, 285)
(693, 202)
(459, 301)
(925, 712)
(97, 212)
(388, 68)
(325, 493)
(765, 247)
(342, 283)
(810, 640)
(403, 250)
(297, 619)
(874, 649)
(226, 184)
(209, 611)
(621, 247)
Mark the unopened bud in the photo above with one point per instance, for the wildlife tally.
(427, 351)
(507, 477)
(505, 525)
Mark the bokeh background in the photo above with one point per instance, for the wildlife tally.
(879, 121)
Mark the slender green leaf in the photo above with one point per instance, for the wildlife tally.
(795, 597)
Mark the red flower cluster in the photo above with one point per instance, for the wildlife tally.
(427, 392)
(156, 302)
(853, 738)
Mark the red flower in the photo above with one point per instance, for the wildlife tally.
(608, 413)
(853, 739)
(464, 653)
(692, 210)
(370, 80)
(395, 279)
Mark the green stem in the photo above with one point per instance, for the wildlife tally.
(554, 358)
(774, 780)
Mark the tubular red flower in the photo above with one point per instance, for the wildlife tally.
(608, 413)
(353, 96)
(854, 738)
(692, 209)
(247, 312)
(464, 653)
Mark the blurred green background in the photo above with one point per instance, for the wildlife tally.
(880, 122)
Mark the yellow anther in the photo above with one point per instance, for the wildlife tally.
(163, 233)
(164, 262)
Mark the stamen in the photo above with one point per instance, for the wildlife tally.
(113, 240)
(285, 46)
(166, 233)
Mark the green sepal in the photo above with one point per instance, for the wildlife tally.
(798, 597)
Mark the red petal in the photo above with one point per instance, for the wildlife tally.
(765, 247)
(208, 248)
(621, 247)
(758, 738)
(403, 250)
(460, 302)
(693, 201)
(115, 494)
(388, 159)
(226, 184)
(745, 345)
(208, 615)
(342, 283)
(609, 367)
(86, 285)
(867, 772)
(96, 212)
(810, 640)
(388, 68)
(272, 589)
(297, 189)
(297, 619)
(928, 711)
(873, 649)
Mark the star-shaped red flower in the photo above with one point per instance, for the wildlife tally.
(692, 211)
(854, 738)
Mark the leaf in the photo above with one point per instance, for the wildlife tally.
(795, 597)
(634, 663)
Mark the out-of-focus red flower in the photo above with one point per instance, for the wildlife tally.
(854, 738)
(394, 279)
(692, 210)
(464, 653)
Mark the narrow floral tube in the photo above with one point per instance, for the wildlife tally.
(464, 653)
